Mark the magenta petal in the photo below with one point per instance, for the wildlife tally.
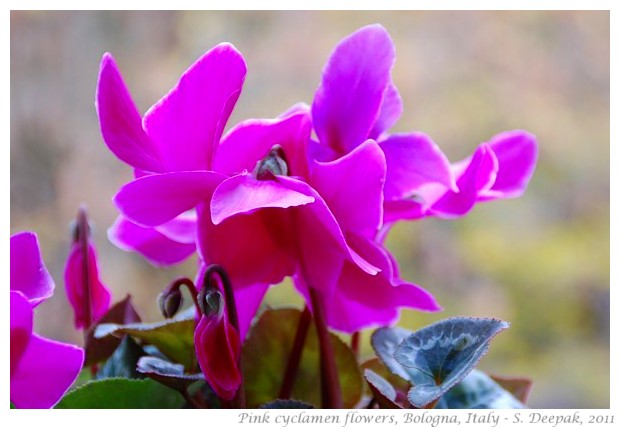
(121, 125)
(218, 349)
(251, 140)
(21, 327)
(414, 160)
(348, 101)
(516, 152)
(76, 287)
(475, 175)
(46, 371)
(391, 109)
(28, 273)
(244, 193)
(352, 187)
(253, 248)
(159, 198)
(187, 123)
(181, 229)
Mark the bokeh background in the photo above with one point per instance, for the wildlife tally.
(540, 262)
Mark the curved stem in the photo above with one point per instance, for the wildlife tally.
(189, 285)
(292, 366)
(231, 309)
(355, 344)
(331, 395)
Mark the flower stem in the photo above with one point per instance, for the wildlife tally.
(189, 285)
(331, 395)
(82, 232)
(231, 308)
(294, 359)
(355, 344)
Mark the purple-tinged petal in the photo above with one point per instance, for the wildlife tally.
(476, 174)
(156, 199)
(218, 349)
(414, 160)
(361, 301)
(46, 371)
(247, 301)
(348, 101)
(21, 328)
(516, 152)
(75, 286)
(244, 194)
(396, 210)
(352, 187)
(188, 122)
(157, 248)
(391, 109)
(181, 229)
(28, 273)
(251, 140)
(120, 122)
(254, 248)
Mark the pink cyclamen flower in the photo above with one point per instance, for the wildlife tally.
(88, 296)
(42, 370)
(357, 100)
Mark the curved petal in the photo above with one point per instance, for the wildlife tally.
(158, 198)
(348, 101)
(251, 140)
(28, 273)
(186, 125)
(157, 248)
(21, 328)
(352, 187)
(516, 152)
(244, 193)
(414, 160)
(181, 229)
(475, 175)
(76, 289)
(396, 210)
(391, 109)
(46, 371)
(120, 122)
(361, 301)
(255, 248)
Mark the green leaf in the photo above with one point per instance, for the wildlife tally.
(174, 338)
(12, 406)
(385, 341)
(99, 349)
(478, 391)
(383, 392)
(439, 356)
(285, 404)
(167, 373)
(265, 356)
(121, 393)
(123, 361)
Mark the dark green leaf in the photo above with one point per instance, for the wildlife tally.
(167, 373)
(478, 391)
(383, 392)
(123, 361)
(121, 393)
(99, 349)
(285, 404)
(174, 337)
(385, 341)
(439, 356)
(12, 406)
(266, 352)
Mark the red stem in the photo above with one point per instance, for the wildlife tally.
(81, 237)
(355, 344)
(189, 285)
(292, 366)
(331, 395)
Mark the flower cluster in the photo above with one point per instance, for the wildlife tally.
(309, 194)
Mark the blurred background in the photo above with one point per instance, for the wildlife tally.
(540, 262)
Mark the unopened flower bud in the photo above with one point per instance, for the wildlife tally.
(210, 302)
(169, 302)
